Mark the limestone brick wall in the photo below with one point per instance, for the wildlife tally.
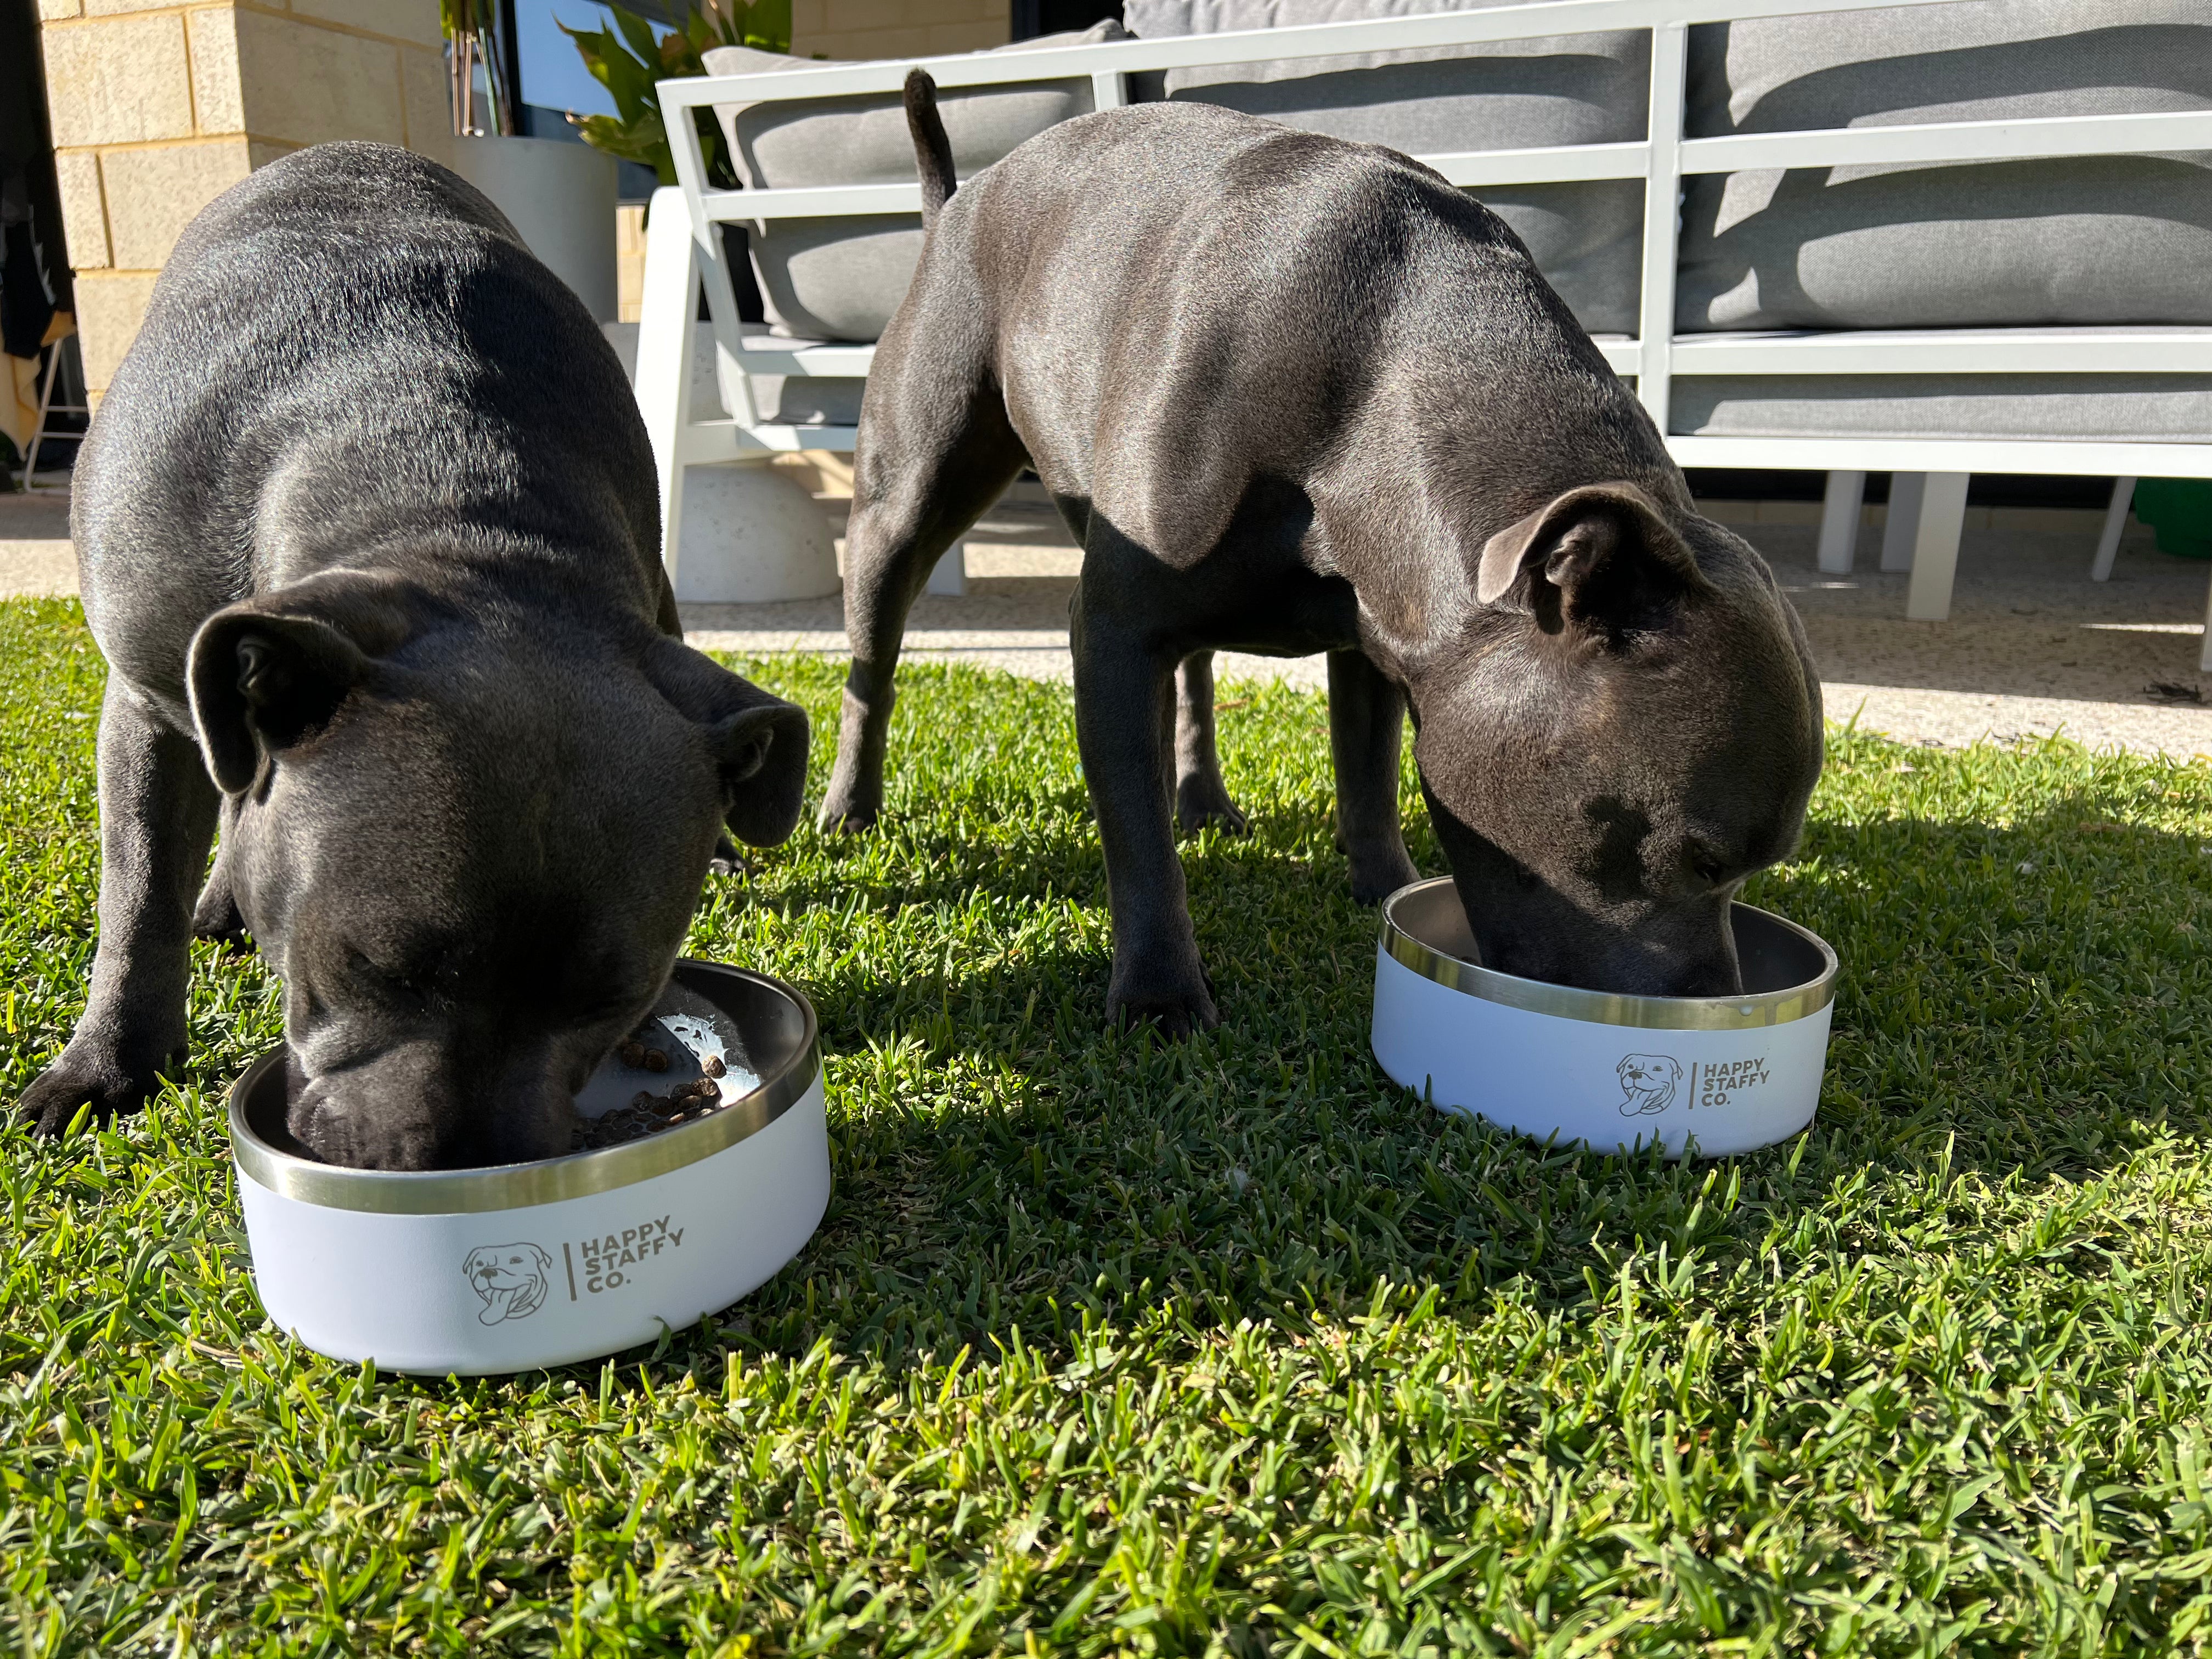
(896, 28)
(157, 107)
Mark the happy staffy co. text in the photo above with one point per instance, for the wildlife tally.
(604, 1263)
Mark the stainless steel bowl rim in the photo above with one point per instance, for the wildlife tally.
(1737, 1013)
(517, 1186)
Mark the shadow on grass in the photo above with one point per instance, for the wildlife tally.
(2019, 1000)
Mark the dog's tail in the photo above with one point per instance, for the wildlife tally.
(933, 150)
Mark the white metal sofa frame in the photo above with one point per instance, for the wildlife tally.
(1929, 492)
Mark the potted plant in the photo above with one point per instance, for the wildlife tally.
(559, 194)
(630, 62)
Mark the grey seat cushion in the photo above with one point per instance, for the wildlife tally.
(840, 279)
(2121, 408)
(1559, 89)
(2090, 240)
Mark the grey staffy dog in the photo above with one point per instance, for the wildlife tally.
(1296, 395)
(369, 533)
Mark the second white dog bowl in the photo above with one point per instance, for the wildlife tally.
(509, 1268)
(1610, 1072)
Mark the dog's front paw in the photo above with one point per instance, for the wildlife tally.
(87, 1076)
(728, 861)
(1177, 1003)
(1380, 872)
(1201, 803)
(844, 815)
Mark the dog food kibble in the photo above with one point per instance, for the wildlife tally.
(655, 1061)
(646, 1114)
(712, 1067)
(632, 1053)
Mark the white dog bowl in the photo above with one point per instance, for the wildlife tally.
(525, 1265)
(1627, 1071)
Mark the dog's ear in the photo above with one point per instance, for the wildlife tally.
(1602, 555)
(758, 741)
(269, 673)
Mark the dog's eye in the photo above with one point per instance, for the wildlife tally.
(410, 986)
(1707, 865)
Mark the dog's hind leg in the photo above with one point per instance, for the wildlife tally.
(215, 917)
(1366, 717)
(157, 813)
(924, 474)
(1201, 798)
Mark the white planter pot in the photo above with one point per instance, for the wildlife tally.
(752, 533)
(560, 197)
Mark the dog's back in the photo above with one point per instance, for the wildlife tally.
(347, 348)
(1191, 268)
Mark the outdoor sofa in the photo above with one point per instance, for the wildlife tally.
(1928, 239)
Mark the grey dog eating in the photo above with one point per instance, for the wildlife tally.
(368, 534)
(1296, 395)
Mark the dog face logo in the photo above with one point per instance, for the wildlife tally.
(1648, 1083)
(510, 1280)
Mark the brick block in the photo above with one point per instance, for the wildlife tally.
(847, 17)
(218, 103)
(118, 81)
(856, 46)
(967, 37)
(305, 85)
(153, 194)
(109, 309)
(53, 11)
(429, 105)
(116, 8)
(84, 222)
(396, 20)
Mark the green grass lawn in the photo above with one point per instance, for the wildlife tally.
(1109, 1347)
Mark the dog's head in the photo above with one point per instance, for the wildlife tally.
(493, 1268)
(471, 852)
(1644, 1074)
(511, 1280)
(1624, 726)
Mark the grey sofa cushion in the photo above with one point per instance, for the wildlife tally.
(842, 279)
(1559, 89)
(2104, 240)
(2135, 407)
(808, 399)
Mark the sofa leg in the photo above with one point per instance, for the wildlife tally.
(949, 576)
(1935, 548)
(1902, 527)
(663, 380)
(2204, 653)
(1839, 522)
(2116, 522)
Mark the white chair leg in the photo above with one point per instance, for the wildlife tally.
(950, 575)
(2116, 521)
(46, 409)
(1902, 527)
(1839, 522)
(2204, 655)
(1935, 548)
(663, 354)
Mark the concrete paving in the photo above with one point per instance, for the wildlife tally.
(2032, 647)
